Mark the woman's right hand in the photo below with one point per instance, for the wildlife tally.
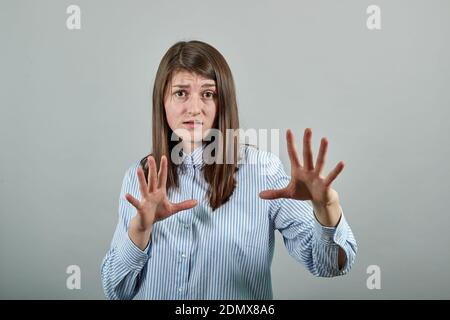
(154, 205)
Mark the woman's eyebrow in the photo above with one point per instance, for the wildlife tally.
(187, 85)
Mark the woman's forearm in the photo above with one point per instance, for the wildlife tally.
(139, 237)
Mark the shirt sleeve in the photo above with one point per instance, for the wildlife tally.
(306, 240)
(124, 263)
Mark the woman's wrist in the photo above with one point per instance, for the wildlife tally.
(139, 235)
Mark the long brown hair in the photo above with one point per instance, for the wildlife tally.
(203, 59)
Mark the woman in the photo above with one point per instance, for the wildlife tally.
(205, 229)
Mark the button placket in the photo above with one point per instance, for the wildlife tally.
(186, 237)
(192, 165)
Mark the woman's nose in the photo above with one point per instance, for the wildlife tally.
(195, 104)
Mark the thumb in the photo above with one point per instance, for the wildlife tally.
(273, 194)
(185, 205)
(132, 200)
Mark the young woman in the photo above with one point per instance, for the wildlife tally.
(195, 229)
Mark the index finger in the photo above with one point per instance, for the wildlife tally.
(142, 183)
(292, 150)
(307, 152)
(162, 175)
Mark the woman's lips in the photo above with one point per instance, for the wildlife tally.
(192, 124)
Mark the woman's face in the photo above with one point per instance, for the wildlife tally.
(191, 107)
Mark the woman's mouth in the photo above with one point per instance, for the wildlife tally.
(192, 124)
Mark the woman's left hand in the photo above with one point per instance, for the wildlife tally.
(307, 181)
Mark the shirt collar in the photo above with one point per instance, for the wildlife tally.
(195, 158)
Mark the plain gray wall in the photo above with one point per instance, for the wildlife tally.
(76, 106)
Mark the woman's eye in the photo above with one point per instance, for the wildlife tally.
(209, 94)
(180, 93)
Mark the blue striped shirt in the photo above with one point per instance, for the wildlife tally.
(225, 254)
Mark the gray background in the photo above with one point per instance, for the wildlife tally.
(76, 106)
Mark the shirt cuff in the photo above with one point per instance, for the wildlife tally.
(133, 257)
(332, 235)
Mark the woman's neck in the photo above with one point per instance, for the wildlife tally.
(188, 148)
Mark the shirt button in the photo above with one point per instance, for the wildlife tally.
(183, 255)
(186, 226)
(180, 289)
